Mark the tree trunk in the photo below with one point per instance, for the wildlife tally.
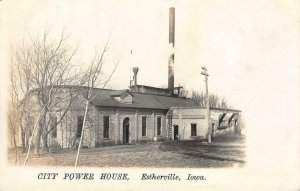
(39, 134)
(38, 140)
(16, 149)
(23, 139)
(44, 132)
(45, 140)
(27, 140)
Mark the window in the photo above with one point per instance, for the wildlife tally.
(105, 127)
(53, 126)
(159, 126)
(123, 97)
(193, 129)
(144, 122)
(79, 126)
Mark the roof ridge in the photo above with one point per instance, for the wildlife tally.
(161, 102)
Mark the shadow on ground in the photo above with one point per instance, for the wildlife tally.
(223, 148)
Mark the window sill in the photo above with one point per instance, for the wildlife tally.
(194, 136)
(106, 138)
(144, 137)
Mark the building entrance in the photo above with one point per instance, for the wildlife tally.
(126, 130)
(175, 132)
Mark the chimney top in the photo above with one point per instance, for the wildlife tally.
(135, 70)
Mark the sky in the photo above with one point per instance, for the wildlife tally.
(207, 33)
(243, 44)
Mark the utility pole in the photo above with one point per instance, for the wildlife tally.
(204, 72)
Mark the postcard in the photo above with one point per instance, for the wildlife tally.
(150, 95)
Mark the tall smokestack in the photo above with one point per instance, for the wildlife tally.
(172, 45)
(172, 26)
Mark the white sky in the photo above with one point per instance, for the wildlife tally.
(209, 33)
(232, 39)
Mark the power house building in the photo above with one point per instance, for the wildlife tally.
(138, 114)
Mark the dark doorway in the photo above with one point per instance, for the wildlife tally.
(126, 130)
(236, 126)
(175, 132)
(79, 126)
(213, 129)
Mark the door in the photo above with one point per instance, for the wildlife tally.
(213, 129)
(126, 131)
(175, 132)
(235, 126)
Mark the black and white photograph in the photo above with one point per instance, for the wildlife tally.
(186, 94)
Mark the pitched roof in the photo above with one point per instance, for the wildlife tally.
(104, 98)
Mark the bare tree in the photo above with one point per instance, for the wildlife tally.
(215, 101)
(51, 71)
(44, 76)
(223, 104)
(183, 92)
(43, 68)
(95, 79)
(12, 112)
(13, 119)
(20, 84)
(198, 98)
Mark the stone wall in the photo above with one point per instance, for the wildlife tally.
(93, 132)
(183, 117)
(67, 129)
(116, 120)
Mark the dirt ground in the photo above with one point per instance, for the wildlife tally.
(224, 151)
